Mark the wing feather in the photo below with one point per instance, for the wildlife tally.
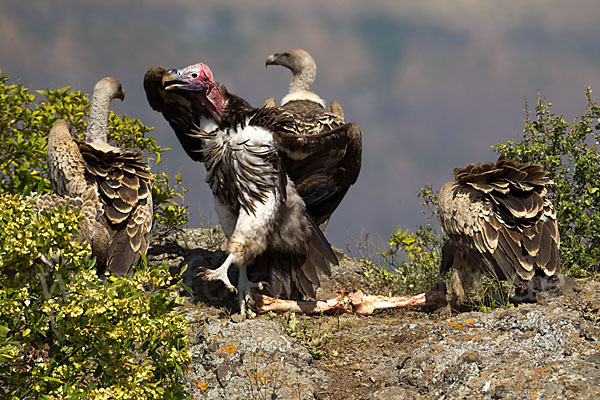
(498, 213)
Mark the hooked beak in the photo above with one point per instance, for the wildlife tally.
(271, 59)
(120, 94)
(172, 79)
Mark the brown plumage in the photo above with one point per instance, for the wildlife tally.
(499, 221)
(312, 118)
(115, 183)
(323, 166)
(253, 159)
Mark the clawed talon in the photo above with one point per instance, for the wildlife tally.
(220, 274)
(212, 275)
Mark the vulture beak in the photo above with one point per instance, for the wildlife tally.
(120, 93)
(172, 80)
(271, 59)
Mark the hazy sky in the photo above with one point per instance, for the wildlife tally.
(432, 84)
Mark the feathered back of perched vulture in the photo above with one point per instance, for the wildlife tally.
(117, 181)
(124, 183)
(66, 167)
(106, 90)
(499, 219)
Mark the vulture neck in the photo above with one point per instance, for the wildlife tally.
(303, 77)
(98, 119)
(216, 101)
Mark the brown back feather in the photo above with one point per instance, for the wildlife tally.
(499, 214)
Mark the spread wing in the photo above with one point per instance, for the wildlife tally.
(124, 185)
(311, 117)
(323, 166)
(500, 216)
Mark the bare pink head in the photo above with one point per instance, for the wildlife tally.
(198, 78)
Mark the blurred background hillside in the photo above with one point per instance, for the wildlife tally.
(432, 84)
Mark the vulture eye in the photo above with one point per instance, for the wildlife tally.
(194, 75)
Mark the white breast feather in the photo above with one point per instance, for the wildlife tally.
(303, 95)
(208, 125)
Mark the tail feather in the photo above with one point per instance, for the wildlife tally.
(295, 276)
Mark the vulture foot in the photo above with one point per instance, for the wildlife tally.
(245, 290)
(220, 274)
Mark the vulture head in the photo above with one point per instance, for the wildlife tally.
(106, 90)
(304, 71)
(197, 77)
(299, 62)
(110, 88)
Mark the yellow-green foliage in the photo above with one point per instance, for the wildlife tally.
(411, 262)
(24, 128)
(569, 152)
(64, 333)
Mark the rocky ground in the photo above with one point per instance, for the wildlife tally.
(548, 350)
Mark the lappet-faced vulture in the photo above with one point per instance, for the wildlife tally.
(251, 155)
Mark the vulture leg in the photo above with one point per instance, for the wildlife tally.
(245, 288)
(220, 274)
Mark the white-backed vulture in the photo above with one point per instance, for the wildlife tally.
(253, 157)
(499, 222)
(308, 107)
(113, 186)
(304, 70)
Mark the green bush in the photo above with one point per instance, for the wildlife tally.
(24, 128)
(411, 262)
(64, 333)
(570, 153)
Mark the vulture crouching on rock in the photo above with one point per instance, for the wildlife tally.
(113, 186)
(251, 155)
(499, 221)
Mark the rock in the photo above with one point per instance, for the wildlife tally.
(250, 359)
(550, 349)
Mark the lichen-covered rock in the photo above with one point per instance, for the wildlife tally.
(550, 349)
(248, 360)
(532, 351)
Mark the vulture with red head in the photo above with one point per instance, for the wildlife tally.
(271, 184)
(500, 222)
(111, 186)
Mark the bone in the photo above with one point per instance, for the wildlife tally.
(355, 302)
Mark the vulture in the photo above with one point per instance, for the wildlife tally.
(499, 222)
(111, 186)
(312, 117)
(304, 71)
(271, 184)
